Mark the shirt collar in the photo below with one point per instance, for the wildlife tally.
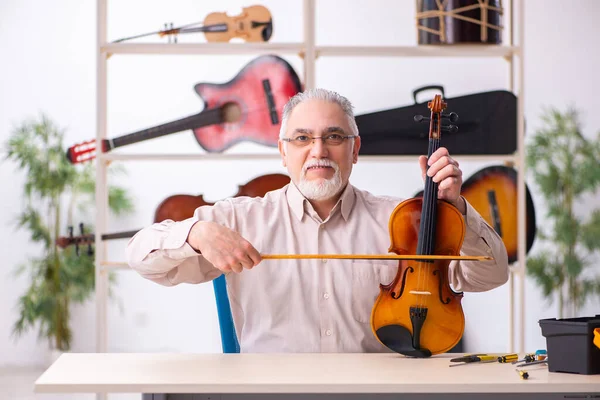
(297, 201)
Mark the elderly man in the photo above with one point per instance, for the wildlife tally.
(309, 305)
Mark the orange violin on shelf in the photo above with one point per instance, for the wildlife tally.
(253, 24)
(418, 314)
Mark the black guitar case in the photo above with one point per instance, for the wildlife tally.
(487, 124)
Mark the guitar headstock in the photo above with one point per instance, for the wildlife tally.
(83, 152)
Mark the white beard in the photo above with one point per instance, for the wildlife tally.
(320, 189)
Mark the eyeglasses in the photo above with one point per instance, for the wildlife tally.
(331, 140)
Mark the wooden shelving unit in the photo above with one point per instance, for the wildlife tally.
(513, 54)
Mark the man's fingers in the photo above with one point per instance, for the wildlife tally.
(254, 256)
(439, 153)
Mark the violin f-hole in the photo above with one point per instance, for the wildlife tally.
(447, 301)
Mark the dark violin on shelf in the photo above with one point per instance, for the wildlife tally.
(418, 314)
(177, 208)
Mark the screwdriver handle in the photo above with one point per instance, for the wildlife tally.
(508, 358)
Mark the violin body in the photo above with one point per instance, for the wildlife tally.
(420, 287)
(418, 314)
(253, 24)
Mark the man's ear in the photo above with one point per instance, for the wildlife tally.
(355, 150)
(281, 147)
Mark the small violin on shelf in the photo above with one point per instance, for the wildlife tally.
(253, 24)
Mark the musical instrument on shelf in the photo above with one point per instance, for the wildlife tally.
(459, 21)
(253, 24)
(179, 207)
(247, 108)
(492, 191)
(418, 314)
(488, 125)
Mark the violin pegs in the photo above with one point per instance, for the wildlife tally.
(450, 128)
(453, 117)
(90, 250)
(70, 232)
(420, 118)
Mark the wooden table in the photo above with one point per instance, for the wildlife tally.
(303, 376)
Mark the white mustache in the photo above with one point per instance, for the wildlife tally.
(319, 163)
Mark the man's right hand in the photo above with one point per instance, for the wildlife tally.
(223, 247)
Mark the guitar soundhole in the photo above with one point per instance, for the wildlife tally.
(232, 112)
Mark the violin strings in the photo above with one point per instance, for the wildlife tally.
(431, 218)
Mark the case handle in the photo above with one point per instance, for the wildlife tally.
(429, 87)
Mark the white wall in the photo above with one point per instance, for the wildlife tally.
(49, 65)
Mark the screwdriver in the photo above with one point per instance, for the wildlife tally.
(473, 359)
(508, 358)
(528, 358)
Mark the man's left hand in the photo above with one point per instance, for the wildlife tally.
(445, 171)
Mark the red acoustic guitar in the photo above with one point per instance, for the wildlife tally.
(247, 108)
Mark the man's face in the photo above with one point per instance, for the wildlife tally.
(319, 170)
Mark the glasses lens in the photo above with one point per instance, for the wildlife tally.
(334, 140)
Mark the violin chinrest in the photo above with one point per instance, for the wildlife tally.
(400, 340)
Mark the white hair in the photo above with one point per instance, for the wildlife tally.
(318, 94)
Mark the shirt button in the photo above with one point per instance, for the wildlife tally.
(324, 260)
(328, 332)
(326, 295)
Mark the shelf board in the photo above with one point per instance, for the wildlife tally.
(113, 265)
(275, 156)
(201, 48)
(325, 51)
(419, 51)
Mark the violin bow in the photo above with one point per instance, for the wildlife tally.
(374, 257)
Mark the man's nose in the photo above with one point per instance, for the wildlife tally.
(318, 148)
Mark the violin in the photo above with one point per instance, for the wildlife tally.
(253, 24)
(418, 314)
(177, 208)
(182, 206)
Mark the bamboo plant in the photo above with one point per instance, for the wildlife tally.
(566, 168)
(55, 192)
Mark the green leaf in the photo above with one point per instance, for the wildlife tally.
(590, 232)
(563, 162)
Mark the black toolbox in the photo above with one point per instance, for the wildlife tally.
(570, 346)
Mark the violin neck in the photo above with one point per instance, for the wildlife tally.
(426, 241)
(206, 28)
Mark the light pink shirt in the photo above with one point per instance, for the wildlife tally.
(306, 305)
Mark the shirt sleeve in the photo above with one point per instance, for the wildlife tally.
(160, 252)
(480, 240)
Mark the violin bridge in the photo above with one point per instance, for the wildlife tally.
(420, 292)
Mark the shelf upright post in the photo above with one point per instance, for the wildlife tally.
(309, 44)
(101, 275)
(521, 173)
(511, 276)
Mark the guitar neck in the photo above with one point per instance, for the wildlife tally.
(204, 118)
